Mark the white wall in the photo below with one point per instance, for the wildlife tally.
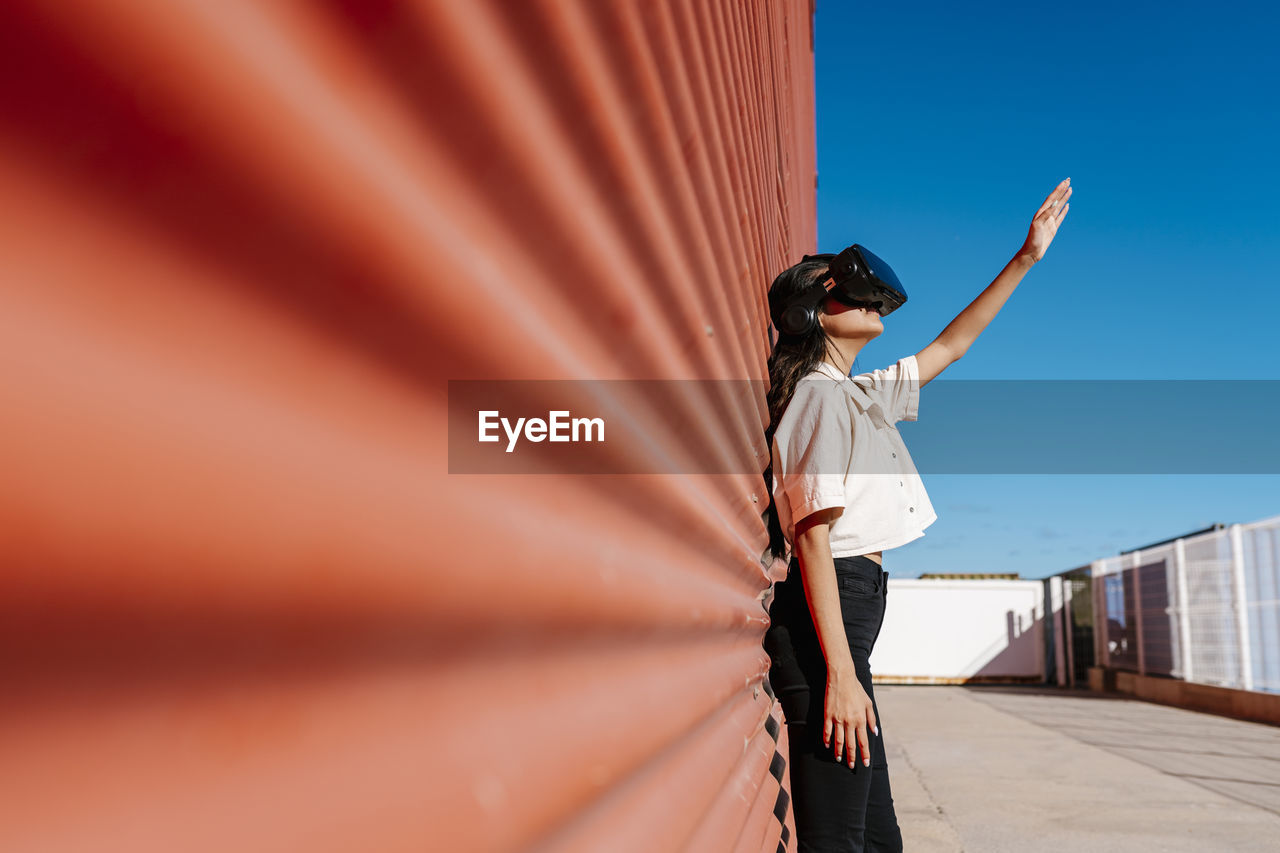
(953, 629)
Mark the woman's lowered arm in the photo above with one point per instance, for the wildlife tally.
(847, 711)
(961, 332)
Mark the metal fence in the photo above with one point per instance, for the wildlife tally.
(1069, 603)
(1203, 608)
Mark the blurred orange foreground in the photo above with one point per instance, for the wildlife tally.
(246, 245)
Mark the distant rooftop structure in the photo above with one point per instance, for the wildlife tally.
(968, 576)
(1217, 525)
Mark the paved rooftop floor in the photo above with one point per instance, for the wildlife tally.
(986, 769)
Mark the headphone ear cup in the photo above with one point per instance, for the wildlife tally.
(799, 319)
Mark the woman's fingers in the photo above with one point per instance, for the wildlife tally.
(864, 743)
(1059, 196)
(1044, 226)
(1057, 191)
(1054, 203)
(846, 738)
(849, 739)
(1054, 219)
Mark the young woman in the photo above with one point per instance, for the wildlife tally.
(844, 490)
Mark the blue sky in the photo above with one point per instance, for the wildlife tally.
(942, 127)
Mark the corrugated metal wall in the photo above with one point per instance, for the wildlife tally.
(245, 246)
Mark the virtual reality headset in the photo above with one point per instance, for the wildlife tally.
(856, 277)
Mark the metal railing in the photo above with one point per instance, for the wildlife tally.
(1203, 608)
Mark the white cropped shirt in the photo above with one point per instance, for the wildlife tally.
(837, 446)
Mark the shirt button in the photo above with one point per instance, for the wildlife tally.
(899, 482)
(911, 509)
(895, 456)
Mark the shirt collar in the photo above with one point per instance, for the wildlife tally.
(867, 404)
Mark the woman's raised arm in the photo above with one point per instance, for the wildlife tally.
(961, 332)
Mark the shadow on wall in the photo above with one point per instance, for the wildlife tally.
(954, 630)
(1022, 640)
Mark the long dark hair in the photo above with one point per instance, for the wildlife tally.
(793, 358)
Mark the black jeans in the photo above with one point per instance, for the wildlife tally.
(836, 807)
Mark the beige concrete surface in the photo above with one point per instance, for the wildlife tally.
(986, 769)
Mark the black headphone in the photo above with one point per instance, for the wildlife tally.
(855, 277)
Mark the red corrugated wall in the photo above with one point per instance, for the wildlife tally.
(244, 605)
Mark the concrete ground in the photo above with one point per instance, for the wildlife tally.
(986, 769)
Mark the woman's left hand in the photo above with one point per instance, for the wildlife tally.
(1046, 221)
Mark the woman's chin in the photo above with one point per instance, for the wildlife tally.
(856, 328)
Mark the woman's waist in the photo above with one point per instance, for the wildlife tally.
(862, 565)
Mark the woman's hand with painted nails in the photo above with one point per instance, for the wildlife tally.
(847, 715)
(1044, 225)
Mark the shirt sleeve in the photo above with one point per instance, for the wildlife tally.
(813, 443)
(897, 387)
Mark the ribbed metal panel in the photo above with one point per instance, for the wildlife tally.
(246, 245)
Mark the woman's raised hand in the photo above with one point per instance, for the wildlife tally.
(847, 714)
(1046, 221)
